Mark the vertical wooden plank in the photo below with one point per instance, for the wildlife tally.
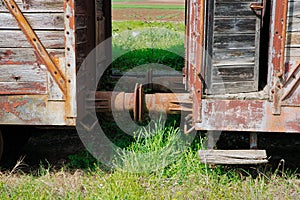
(195, 53)
(70, 53)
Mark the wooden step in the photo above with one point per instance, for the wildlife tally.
(238, 157)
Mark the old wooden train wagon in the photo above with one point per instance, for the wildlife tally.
(242, 67)
(42, 44)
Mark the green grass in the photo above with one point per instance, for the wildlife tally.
(119, 27)
(152, 150)
(136, 43)
(183, 178)
(120, 185)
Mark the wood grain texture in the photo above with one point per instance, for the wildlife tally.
(232, 87)
(293, 39)
(234, 41)
(20, 68)
(293, 32)
(22, 73)
(234, 8)
(233, 73)
(294, 8)
(233, 58)
(234, 25)
(293, 24)
(233, 156)
(17, 88)
(37, 6)
(23, 79)
(18, 56)
(17, 39)
(38, 21)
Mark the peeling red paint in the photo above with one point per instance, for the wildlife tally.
(20, 107)
(16, 63)
(248, 115)
(10, 107)
(35, 42)
(10, 88)
(6, 54)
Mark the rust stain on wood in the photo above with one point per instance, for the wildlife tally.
(11, 107)
(56, 73)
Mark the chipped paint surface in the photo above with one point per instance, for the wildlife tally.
(27, 73)
(278, 38)
(251, 115)
(232, 114)
(31, 110)
(194, 53)
(280, 113)
(35, 42)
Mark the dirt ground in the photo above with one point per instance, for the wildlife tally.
(150, 14)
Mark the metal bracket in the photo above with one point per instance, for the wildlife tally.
(188, 128)
(258, 8)
(35, 42)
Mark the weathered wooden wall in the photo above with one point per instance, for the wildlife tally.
(20, 68)
(232, 47)
(293, 31)
(292, 53)
(28, 93)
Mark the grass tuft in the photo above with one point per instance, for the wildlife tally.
(154, 148)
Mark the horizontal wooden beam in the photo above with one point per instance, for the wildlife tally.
(240, 157)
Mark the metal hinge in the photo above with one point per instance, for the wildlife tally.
(259, 8)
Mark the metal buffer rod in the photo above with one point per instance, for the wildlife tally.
(140, 103)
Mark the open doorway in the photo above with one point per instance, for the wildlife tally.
(147, 31)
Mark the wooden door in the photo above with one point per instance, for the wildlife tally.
(232, 47)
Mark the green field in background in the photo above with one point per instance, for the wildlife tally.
(138, 42)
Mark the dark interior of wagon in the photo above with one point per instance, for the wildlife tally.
(264, 47)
